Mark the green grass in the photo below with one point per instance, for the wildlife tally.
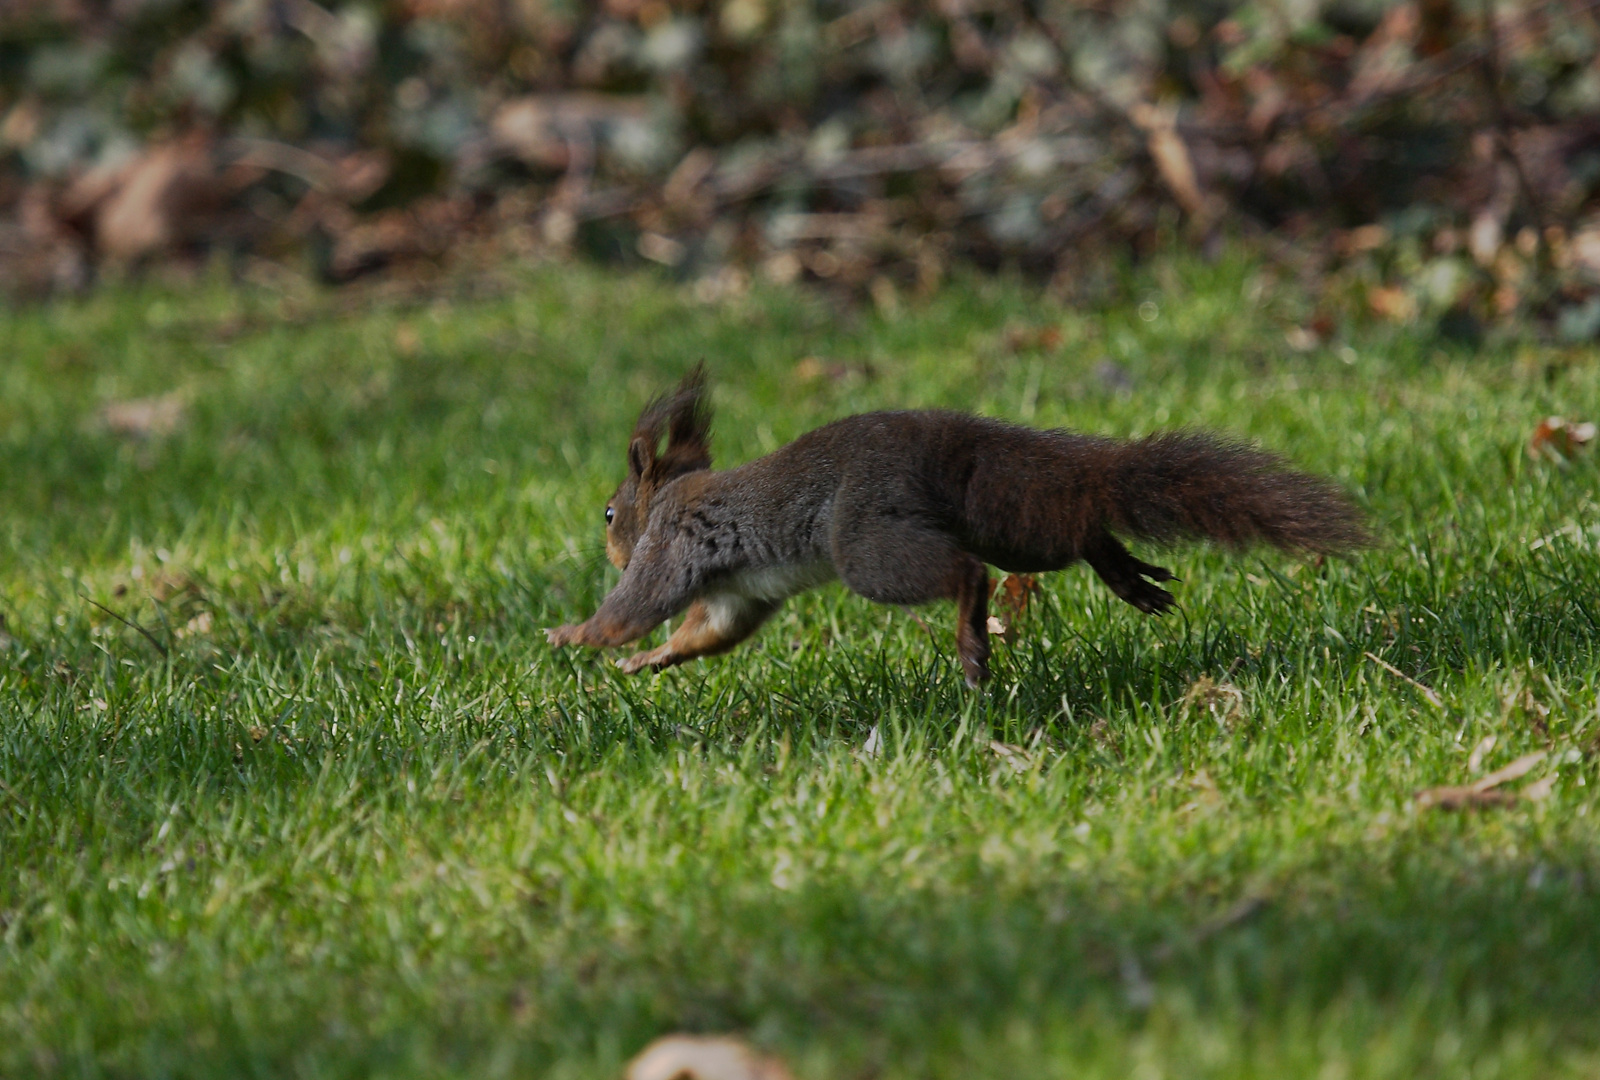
(318, 801)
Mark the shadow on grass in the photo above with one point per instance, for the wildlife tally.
(1482, 948)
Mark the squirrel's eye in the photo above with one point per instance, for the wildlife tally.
(611, 512)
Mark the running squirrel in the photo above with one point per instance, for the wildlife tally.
(908, 507)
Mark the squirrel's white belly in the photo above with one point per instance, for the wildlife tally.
(779, 582)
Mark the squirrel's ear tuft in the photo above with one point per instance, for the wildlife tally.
(685, 417)
(689, 424)
(641, 456)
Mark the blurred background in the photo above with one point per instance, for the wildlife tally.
(1431, 161)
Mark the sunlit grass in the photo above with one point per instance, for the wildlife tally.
(291, 785)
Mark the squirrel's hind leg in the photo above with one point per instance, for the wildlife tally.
(890, 560)
(711, 625)
(972, 621)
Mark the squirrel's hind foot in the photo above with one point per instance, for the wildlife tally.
(1125, 575)
(1148, 598)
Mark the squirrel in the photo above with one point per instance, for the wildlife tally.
(909, 507)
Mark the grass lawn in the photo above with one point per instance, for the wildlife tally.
(290, 784)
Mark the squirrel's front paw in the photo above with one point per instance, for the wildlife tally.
(559, 636)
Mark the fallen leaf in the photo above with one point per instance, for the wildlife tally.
(813, 368)
(885, 297)
(703, 1057)
(1012, 757)
(1361, 239)
(1100, 731)
(696, 167)
(1015, 592)
(1224, 701)
(168, 195)
(1033, 338)
(1392, 303)
(784, 268)
(661, 249)
(1558, 439)
(144, 418)
(1171, 155)
(1301, 338)
(1011, 595)
(1485, 237)
(873, 747)
(557, 131)
(198, 626)
(1387, 54)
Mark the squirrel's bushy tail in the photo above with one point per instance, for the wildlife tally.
(1182, 484)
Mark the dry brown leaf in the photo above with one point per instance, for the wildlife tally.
(1011, 595)
(696, 167)
(1029, 338)
(1100, 731)
(885, 296)
(1015, 592)
(1392, 303)
(1012, 757)
(661, 249)
(1485, 792)
(1361, 239)
(1171, 155)
(1558, 439)
(199, 626)
(1301, 338)
(166, 196)
(1387, 55)
(704, 1057)
(1223, 700)
(556, 131)
(812, 368)
(144, 418)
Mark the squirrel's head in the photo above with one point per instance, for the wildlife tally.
(684, 417)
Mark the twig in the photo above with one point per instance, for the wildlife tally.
(1241, 910)
(317, 171)
(1484, 793)
(1489, 70)
(148, 636)
(1426, 691)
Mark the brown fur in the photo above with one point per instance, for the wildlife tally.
(907, 507)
